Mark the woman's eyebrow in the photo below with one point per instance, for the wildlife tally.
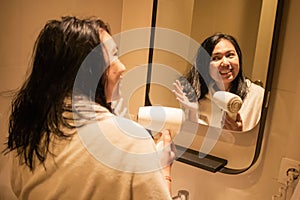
(221, 53)
(216, 54)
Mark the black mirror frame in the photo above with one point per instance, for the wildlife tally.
(209, 162)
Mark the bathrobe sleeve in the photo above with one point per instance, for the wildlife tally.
(251, 109)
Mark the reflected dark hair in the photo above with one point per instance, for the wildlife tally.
(37, 109)
(199, 76)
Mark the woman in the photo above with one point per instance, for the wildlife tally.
(219, 68)
(64, 141)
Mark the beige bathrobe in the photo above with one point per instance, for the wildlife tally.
(105, 159)
(250, 111)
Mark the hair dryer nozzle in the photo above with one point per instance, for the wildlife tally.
(228, 101)
(159, 118)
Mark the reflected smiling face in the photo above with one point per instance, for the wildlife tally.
(224, 65)
(115, 69)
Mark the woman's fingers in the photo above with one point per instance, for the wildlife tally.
(231, 124)
(167, 139)
(168, 150)
(178, 87)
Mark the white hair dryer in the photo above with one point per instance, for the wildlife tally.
(229, 102)
(159, 118)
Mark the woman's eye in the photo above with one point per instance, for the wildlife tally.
(231, 55)
(115, 52)
(215, 58)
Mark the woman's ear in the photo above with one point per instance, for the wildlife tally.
(101, 34)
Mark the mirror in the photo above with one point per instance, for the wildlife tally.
(199, 19)
(180, 27)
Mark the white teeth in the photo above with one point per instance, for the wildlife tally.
(224, 72)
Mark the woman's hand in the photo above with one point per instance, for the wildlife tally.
(192, 107)
(231, 124)
(166, 147)
(168, 155)
(182, 98)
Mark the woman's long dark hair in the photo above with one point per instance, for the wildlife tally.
(199, 77)
(37, 109)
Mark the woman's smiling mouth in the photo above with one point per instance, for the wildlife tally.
(226, 72)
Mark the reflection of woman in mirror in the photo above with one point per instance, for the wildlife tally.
(219, 68)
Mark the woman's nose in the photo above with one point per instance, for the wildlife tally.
(224, 61)
(122, 66)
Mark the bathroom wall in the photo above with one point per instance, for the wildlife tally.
(20, 22)
(136, 15)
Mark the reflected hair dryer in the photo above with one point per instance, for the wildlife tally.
(229, 102)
